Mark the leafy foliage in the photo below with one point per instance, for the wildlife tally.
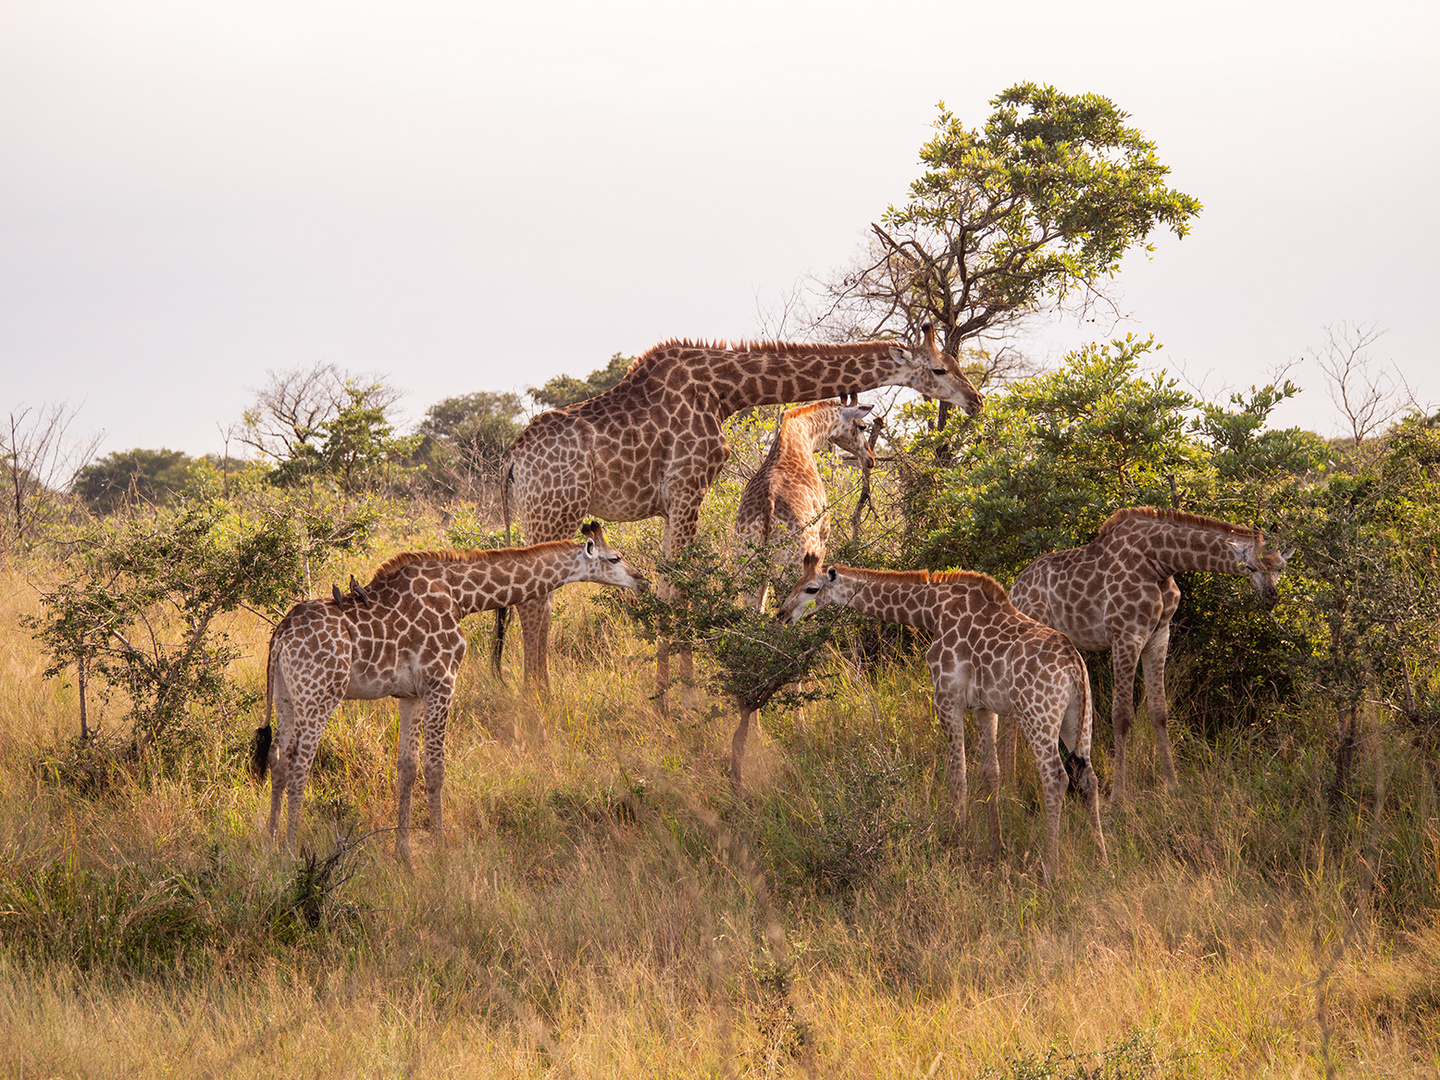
(1050, 460)
(140, 611)
(464, 439)
(757, 659)
(1039, 203)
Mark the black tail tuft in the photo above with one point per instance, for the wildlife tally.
(497, 646)
(260, 754)
(1074, 767)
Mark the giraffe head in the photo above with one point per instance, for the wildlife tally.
(814, 590)
(595, 560)
(848, 432)
(1263, 567)
(927, 368)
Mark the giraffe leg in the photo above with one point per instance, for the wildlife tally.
(535, 622)
(1076, 730)
(281, 751)
(1053, 783)
(410, 713)
(681, 525)
(1009, 740)
(1090, 792)
(950, 707)
(987, 722)
(437, 710)
(1153, 664)
(297, 772)
(1125, 655)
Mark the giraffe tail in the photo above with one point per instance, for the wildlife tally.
(260, 753)
(1072, 760)
(497, 645)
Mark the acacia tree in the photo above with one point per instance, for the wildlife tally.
(1036, 207)
(321, 421)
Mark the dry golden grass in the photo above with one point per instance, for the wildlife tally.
(602, 905)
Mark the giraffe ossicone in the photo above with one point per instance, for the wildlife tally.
(988, 657)
(405, 642)
(1118, 593)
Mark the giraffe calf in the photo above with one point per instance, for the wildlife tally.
(785, 500)
(988, 657)
(406, 643)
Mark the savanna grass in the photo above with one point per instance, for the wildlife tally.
(603, 904)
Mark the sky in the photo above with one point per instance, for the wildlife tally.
(475, 196)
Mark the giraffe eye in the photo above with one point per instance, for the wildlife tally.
(812, 589)
(938, 370)
(614, 558)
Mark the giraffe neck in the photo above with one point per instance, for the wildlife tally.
(1172, 547)
(773, 373)
(505, 577)
(803, 431)
(894, 597)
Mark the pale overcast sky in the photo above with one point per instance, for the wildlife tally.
(469, 197)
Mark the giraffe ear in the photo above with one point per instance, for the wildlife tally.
(589, 549)
(832, 573)
(901, 356)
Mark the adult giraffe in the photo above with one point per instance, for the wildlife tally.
(1118, 592)
(652, 445)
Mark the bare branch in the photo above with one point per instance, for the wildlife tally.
(1362, 388)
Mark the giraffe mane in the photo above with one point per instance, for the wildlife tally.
(805, 410)
(1178, 517)
(991, 589)
(919, 577)
(802, 348)
(393, 565)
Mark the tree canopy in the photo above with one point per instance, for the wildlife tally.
(1037, 205)
(149, 476)
(566, 389)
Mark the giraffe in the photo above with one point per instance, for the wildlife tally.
(1118, 592)
(987, 656)
(404, 641)
(785, 499)
(653, 444)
